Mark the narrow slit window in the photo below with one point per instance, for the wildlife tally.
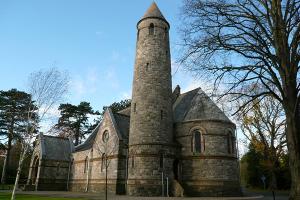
(132, 161)
(85, 164)
(151, 29)
(161, 114)
(103, 162)
(134, 107)
(166, 32)
(161, 160)
(147, 66)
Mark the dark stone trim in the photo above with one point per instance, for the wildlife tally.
(217, 157)
(152, 143)
(210, 134)
(153, 18)
(206, 120)
(52, 160)
(53, 166)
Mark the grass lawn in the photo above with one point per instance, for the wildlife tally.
(7, 196)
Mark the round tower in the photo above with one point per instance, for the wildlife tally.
(151, 137)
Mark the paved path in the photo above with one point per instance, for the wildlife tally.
(100, 196)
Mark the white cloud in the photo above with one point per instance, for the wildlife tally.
(126, 95)
(112, 78)
(85, 83)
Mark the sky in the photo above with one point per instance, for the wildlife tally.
(93, 40)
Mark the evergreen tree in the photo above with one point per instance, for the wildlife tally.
(117, 106)
(14, 122)
(74, 120)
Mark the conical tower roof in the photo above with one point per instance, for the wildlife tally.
(153, 12)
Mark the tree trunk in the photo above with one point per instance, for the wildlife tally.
(106, 166)
(22, 157)
(292, 134)
(77, 137)
(273, 181)
(6, 161)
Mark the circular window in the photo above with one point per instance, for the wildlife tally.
(105, 136)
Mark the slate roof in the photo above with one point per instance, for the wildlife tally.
(88, 143)
(125, 111)
(153, 12)
(189, 106)
(123, 123)
(56, 148)
(196, 105)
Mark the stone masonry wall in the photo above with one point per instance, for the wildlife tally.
(92, 178)
(151, 141)
(214, 171)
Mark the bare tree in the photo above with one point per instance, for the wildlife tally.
(106, 147)
(264, 127)
(246, 42)
(47, 88)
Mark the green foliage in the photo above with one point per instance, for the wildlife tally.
(254, 162)
(117, 106)
(14, 162)
(16, 123)
(74, 120)
(14, 106)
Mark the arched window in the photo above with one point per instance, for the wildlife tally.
(85, 164)
(198, 142)
(103, 162)
(151, 29)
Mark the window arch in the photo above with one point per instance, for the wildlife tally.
(151, 29)
(198, 141)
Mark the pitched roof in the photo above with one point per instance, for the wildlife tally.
(56, 148)
(123, 123)
(120, 123)
(196, 105)
(153, 12)
(125, 111)
(88, 143)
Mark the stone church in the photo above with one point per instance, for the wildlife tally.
(166, 143)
